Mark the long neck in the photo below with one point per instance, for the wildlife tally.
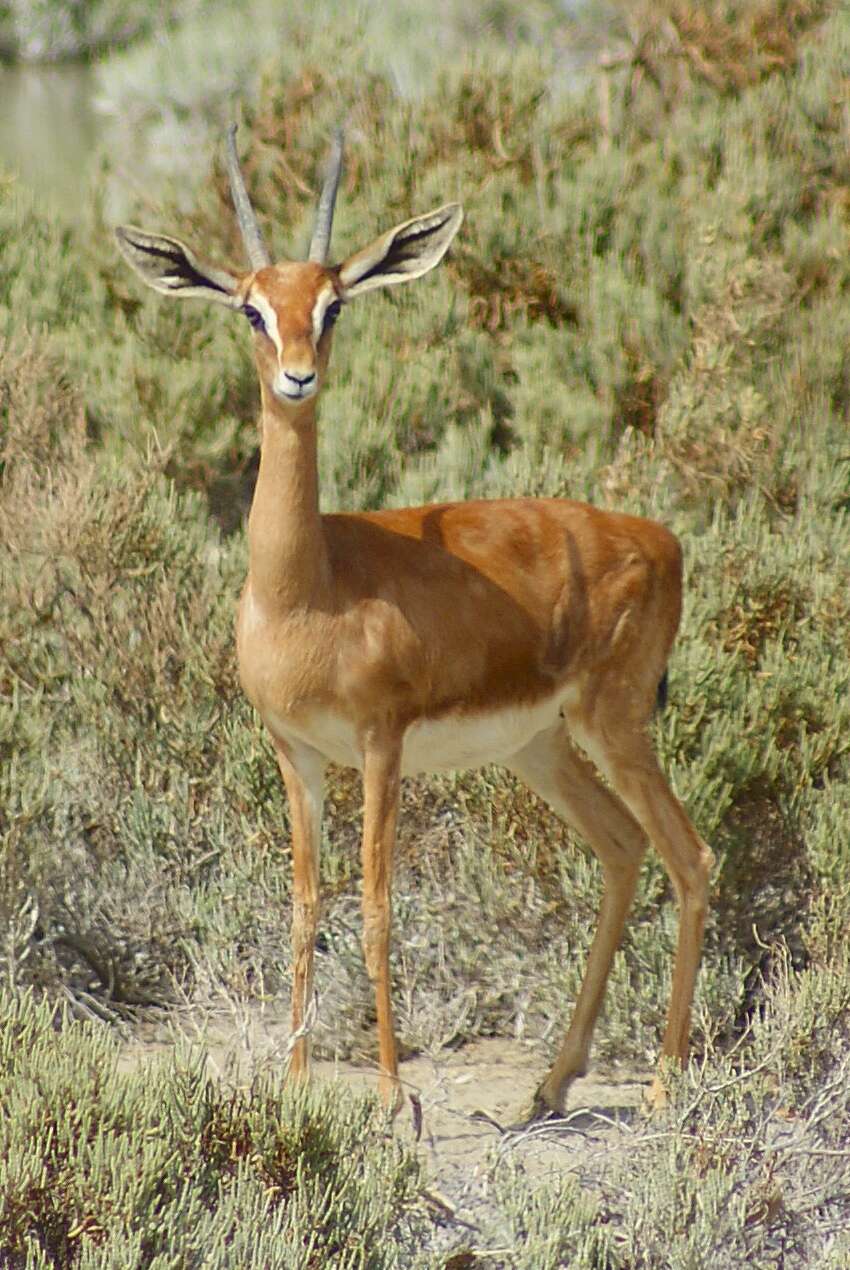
(288, 560)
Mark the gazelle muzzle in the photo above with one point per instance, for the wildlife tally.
(294, 385)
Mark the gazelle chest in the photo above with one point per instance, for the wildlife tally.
(318, 682)
(285, 665)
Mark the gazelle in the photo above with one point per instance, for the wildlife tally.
(517, 632)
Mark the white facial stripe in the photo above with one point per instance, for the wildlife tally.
(325, 297)
(261, 304)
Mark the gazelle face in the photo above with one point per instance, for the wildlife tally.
(292, 309)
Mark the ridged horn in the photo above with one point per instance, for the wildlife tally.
(258, 252)
(321, 240)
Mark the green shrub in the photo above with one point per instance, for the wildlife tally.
(50, 30)
(162, 1166)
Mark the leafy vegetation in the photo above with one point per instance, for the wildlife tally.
(649, 307)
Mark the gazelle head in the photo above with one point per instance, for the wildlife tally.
(292, 306)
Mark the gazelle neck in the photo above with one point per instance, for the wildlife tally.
(288, 560)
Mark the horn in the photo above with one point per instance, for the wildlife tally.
(258, 252)
(321, 239)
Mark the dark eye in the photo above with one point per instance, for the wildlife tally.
(332, 312)
(254, 316)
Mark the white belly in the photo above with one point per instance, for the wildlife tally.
(431, 745)
(471, 740)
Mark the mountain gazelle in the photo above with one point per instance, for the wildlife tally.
(529, 632)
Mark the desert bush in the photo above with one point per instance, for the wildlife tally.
(748, 1164)
(102, 1163)
(166, 1167)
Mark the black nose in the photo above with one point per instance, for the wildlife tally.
(300, 380)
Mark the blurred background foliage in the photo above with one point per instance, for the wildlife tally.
(648, 307)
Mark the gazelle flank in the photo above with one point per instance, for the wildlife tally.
(528, 632)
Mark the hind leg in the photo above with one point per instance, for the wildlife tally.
(625, 756)
(551, 766)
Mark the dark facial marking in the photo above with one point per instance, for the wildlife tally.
(332, 312)
(254, 316)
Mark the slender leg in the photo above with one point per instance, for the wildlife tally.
(381, 780)
(551, 766)
(632, 768)
(303, 772)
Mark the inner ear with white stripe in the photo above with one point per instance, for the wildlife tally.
(170, 267)
(403, 253)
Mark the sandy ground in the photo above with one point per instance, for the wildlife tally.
(470, 1101)
(459, 1111)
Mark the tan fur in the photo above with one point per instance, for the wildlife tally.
(475, 622)
(511, 631)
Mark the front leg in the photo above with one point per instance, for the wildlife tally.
(381, 781)
(303, 772)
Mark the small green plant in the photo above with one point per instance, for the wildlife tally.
(163, 1166)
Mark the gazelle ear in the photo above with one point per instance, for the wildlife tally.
(403, 253)
(170, 267)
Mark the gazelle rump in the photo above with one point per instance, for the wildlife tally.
(533, 633)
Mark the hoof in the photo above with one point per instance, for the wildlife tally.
(540, 1112)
